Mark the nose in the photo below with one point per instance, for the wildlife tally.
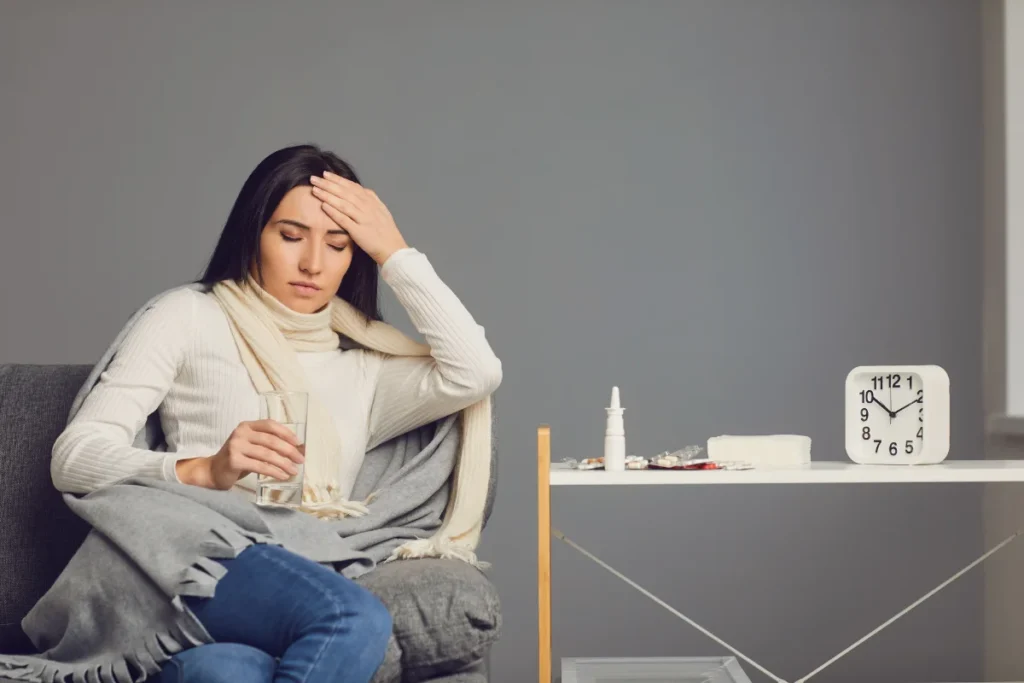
(312, 259)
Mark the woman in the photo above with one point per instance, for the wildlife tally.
(302, 231)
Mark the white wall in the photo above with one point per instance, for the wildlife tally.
(1013, 74)
(1003, 327)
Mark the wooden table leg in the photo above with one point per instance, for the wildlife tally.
(544, 552)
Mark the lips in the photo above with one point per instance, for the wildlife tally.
(305, 288)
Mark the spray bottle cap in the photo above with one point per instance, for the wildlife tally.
(615, 405)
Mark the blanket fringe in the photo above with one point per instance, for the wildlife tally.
(147, 656)
(17, 671)
(442, 548)
(127, 669)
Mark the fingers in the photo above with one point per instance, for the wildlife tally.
(342, 219)
(276, 428)
(342, 204)
(278, 445)
(266, 469)
(342, 201)
(334, 185)
(257, 456)
(342, 183)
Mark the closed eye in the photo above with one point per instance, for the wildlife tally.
(288, 238)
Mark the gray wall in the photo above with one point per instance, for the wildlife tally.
(720, 206)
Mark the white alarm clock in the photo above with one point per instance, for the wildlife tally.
(897, 414)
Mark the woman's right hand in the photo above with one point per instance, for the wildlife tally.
(265, 447)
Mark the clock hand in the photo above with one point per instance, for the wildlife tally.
(906, 406)
(875, 399)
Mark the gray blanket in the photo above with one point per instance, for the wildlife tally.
(115, 614)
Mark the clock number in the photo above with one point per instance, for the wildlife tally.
(863, 414)
(867, 396)
(878, 383)
(892, 449)
(878, 442)
(920, 432)
(910, 381)
(894, 381)
(910, 447)
(866, 433)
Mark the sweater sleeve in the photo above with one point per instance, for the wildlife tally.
(95, 449)
(461, 369)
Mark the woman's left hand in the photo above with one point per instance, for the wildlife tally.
(361, 212)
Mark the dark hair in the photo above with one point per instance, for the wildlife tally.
(239, 244)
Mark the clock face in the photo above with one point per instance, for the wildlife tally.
(891, 414)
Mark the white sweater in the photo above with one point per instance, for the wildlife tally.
(181, 359)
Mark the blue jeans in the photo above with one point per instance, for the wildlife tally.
(278, 617)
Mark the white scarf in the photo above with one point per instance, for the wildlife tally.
(268, 334)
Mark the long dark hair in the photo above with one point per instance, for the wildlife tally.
(239, 244)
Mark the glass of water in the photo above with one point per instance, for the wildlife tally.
(288, 408)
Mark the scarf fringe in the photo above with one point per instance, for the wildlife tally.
(434, 547)
(322, 502)
(335, 510)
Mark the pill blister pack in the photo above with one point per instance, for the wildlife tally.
(682, 459)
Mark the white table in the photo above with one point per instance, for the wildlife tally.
(548, 475)
(950, 471)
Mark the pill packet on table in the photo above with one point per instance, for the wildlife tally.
(734, 465)
(709, 464)
(635, 462)
(585, 464)
(675, 460)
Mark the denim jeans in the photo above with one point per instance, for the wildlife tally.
(278, 617)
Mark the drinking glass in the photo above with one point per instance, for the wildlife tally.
(288, 408)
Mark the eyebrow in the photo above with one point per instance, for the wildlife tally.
(303, 226)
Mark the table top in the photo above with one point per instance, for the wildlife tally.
(949, 471)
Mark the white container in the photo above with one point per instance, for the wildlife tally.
(768, 451)
(614, 436)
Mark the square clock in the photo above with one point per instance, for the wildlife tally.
(897, 414)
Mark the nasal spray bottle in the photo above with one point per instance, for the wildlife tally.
(614, 436)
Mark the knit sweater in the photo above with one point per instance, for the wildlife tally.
(181, 360)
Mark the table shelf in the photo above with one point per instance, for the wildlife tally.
(841, 471)
(949, 471)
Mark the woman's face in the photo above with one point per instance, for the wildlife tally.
(301, 246)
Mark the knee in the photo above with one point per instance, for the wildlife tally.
(365, 616)
(220, 663)
(379, 619)
(373, 617)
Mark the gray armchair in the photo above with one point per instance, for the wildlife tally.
(446, 614)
